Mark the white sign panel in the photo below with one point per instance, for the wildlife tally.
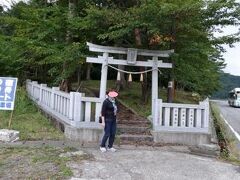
(7, 92)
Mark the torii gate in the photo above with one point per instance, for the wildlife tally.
(130, 61)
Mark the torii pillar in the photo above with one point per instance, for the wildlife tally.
(154, 83)
(104, 72)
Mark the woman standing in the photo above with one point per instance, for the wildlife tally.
(109, 112)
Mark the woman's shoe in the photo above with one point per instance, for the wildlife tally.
(112, 149)
(103, 149)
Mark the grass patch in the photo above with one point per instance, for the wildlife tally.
(28, 120)
(36, 163)
(226, 141)
(131, 97)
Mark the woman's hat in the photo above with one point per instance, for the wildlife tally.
(112, 94)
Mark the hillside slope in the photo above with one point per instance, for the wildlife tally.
(228, 82)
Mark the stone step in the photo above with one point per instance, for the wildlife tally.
(135, 120)
(139, 143)
(135, 133)
(136, 143)
(137, 123)
(125, 129)
(135, 138)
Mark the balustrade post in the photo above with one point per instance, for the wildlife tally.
(33, 96)
(52, 103)
(28, 81)
(41, 92)
(157, 118)
(78, 109)
(71, 105)
(201, 116)
(206, 117)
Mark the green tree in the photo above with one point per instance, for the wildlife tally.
(36, 33)
(186, 26)
(47, 41)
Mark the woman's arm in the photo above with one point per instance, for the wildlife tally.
(103, 121)
(103, 112)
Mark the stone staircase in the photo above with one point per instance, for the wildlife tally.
(132, 129)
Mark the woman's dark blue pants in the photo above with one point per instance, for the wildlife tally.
(109, 133)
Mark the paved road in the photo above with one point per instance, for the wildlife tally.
(162, 164)
(232, 116)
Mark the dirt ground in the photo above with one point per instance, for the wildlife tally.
(44, 162)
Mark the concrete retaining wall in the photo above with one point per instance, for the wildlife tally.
(192, 139)
(83, 135)
(80, 135)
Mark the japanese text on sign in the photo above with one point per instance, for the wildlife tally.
(7, 92)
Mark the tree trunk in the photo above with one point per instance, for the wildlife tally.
(65, 83)
(79, 75)
(88, 73)
(145, 83)
(170, 96)
(145, 87)
(123, 80)
(138, 40)
(122, 84)
(173, 45)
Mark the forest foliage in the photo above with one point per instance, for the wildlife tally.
(45, 40)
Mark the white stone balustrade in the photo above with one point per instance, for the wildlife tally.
(72, 108)
(82, 112)
(181, 117)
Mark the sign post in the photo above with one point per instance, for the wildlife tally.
(8, 88)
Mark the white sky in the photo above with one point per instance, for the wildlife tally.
(232, 56)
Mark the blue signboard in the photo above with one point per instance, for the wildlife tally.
(7, 92)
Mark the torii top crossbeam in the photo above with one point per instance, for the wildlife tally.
(119, 50)
(131, 56)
